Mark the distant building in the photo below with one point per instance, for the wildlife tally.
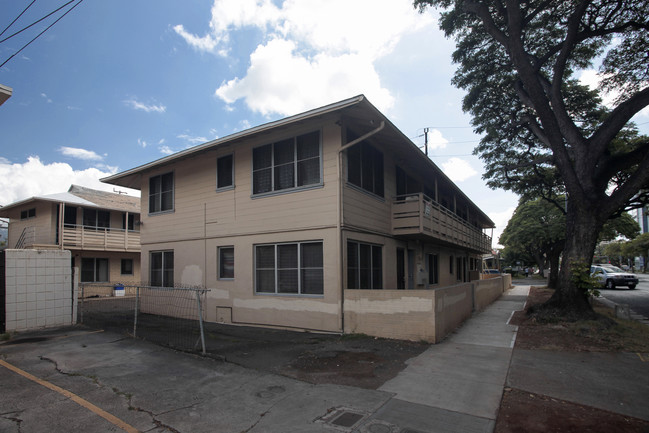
(641, 215)
(101, 230)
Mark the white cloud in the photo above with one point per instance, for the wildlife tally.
(500, 219)
(281, 81)
(22, 181)
(136, 105)
(311, 53)
(593, 80)
(166, 150)
(142, 143)
(436, 140)
(458, 170)
(192, 139)
(47, 99)
(86, 155)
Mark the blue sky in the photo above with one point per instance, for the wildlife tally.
(116, 84)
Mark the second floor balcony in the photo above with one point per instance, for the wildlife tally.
(416, 215)
(82, 238)
(99, 238)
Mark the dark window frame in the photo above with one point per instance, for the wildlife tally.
(284, 271)
(224, 272)
(124, 267)
(364, 266)
(96, 269)
(162, 200)
(166, 269)
(365, 168)
(287, 165)
(225, 172)
(433, 268)
(28, 213)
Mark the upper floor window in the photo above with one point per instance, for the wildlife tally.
(93, 218)
(161, 193)
(29, 213)
(130, 224)
(365, 167)
(287, 164)
(225, 172)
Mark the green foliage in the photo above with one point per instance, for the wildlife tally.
(580, 277)
(544, 133)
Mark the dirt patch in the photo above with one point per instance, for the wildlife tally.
(354, 360)
(521, 411)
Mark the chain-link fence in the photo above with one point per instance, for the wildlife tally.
(170, 316)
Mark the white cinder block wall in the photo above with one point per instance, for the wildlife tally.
(39, 290)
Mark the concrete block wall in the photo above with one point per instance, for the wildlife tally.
(39, 290)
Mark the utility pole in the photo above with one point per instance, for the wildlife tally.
(426, 141)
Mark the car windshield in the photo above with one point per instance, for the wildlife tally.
(611, 268)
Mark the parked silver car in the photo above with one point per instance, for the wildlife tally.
(611, 276)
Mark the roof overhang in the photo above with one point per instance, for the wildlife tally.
(357, 110)
(5, 93)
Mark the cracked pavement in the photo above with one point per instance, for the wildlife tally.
(154, 389)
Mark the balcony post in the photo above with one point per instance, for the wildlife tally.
(126, 232)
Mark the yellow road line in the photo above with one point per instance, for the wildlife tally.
(102, 413)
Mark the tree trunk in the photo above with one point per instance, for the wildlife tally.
(582, 230)
(553, 278)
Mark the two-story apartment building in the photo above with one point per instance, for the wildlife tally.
(282, 219)
(101, 230)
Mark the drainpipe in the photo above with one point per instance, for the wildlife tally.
(362, 137)
(341, 213)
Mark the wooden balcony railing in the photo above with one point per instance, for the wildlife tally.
(418, 215)
(97, 238)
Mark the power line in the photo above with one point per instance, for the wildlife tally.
(46, 29)
(36, 22)
(21, 14)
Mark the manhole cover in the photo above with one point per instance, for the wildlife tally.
(347, 419)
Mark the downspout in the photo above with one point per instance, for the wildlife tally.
(341, 177)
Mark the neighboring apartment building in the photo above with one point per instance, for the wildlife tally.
(101, 230)
(280, 220)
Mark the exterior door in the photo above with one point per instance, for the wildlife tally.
(401, 268)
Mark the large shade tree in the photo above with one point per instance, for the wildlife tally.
(519, 63)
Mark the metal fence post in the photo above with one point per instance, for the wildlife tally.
(137, 307)
(200, 319)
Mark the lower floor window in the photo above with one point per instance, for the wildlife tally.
(161, 269)
(94, 270)
(433, 269)
(364, 266)
(226, 263)
(291, 268)
(127, 267)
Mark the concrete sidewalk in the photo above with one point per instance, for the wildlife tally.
(461, 380)
(455, 386)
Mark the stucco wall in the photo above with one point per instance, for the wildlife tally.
(400, 314)
(39, 290)
(428, 315)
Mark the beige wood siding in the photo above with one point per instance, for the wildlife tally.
(43, 226)
(201, 211)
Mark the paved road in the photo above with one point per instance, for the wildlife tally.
(637, 299)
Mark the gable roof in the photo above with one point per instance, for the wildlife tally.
(356, 110)
(82, 196)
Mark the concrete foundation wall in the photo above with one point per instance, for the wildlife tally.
(39, 289)
(399, 314)
(428, 315)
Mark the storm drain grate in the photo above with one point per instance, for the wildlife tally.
(347, 419)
